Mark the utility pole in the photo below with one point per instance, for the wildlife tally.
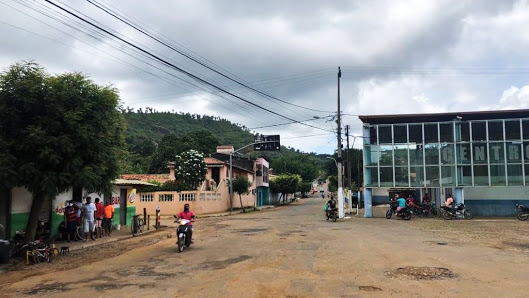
(341, 212)
(349, 155)
(231, 182)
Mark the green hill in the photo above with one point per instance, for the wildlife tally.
(146, 130)
(153, 126)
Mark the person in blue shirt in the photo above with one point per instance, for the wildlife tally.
(402, 204)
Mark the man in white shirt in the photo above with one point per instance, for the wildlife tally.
(89, 211)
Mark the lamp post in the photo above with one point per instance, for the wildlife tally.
(341, 213)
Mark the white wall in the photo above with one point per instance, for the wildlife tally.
(20, 200)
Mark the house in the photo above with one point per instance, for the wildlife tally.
(16, 205)
(212, 196)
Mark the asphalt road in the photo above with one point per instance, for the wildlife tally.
(288, 251)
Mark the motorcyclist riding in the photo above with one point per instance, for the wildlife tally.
(189, 215)
(402, 204)
(331, 206)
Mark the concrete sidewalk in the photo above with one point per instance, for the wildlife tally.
(123, 233)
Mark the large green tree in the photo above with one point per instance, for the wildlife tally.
(285, 184)
(303, 165)
(57, 132)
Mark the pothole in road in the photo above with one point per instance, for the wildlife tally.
(48, 289)
(436, 242)
(251, 230)
(516, 245)
(369, 288)
(217, 265)
(422, 273)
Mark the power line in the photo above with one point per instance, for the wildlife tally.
(108, 11)
(123, 61)
(281, 124)
(169, 64)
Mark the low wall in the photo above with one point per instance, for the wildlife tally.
(200, 202)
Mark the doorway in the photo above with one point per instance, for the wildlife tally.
(5, 209)
(215, 175)
(123, 207)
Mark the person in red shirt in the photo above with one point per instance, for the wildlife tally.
(189, 215)
(71, 221)
(99, 218)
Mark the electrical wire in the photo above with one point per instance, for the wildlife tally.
(115, 15)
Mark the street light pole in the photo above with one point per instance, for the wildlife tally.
(341, 212)
(231, 182)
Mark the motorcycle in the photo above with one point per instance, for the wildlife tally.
(430, 209)
(523, 212)
(404, 213)
(183, 233)
(460, 212)
(392, 209)
(332, 214)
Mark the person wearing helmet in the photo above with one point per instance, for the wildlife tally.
(189, 215)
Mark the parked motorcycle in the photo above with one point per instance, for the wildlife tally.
(459, 212)
(430, 209)
(183, 233)
(523, 212)
(392, 209)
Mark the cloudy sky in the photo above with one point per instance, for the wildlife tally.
(396, 57)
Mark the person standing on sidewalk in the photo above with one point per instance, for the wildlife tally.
(70, 219)
(108, 214)
(99, 218)
(89, 210)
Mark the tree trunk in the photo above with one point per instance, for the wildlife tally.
(36, 207)
(240, 199)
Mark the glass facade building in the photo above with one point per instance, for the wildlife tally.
(442, 154)
(479, 156)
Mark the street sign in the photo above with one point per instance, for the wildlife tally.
(267, 143)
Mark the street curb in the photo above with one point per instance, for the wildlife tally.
(227, 213)
(96, 243)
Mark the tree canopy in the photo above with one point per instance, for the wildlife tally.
(304, 166)
(191, 168)
(57, 132)
(285, 184)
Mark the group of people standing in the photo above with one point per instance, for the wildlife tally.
(95, 218)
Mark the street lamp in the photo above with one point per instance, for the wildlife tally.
(335, 162)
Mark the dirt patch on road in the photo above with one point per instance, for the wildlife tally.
(217, 265)
(422, 273)
(369, 288)
(80, 257)
(496, 233)
(51, 288)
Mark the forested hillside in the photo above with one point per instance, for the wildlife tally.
(153, 126)
(154, 138)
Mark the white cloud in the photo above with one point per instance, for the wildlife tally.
(514, 98)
